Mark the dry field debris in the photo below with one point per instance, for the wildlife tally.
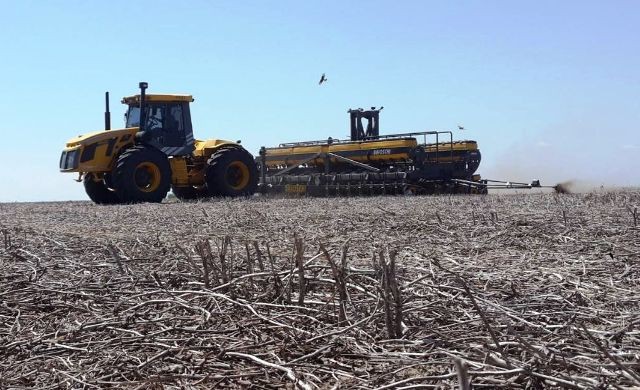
(512, 291)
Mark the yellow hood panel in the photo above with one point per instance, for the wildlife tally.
(97, 136)
(205, 148)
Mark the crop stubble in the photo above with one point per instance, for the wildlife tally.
(517, 291)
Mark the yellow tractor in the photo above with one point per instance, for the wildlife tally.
(155, 152)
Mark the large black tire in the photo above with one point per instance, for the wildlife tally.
(142, 174)
(231, 172)
(189, 193)
(98, 191)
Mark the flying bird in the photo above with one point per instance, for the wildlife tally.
(323, 79)
(460, 127)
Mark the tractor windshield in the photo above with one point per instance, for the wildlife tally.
(153, 114)
(132, 117)
(164, 116)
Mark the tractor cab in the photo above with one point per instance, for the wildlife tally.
(166, 122)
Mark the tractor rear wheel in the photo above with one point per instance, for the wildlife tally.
(98, 191)
(231, 172)
(142, 174)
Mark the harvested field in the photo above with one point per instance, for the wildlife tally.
(518, 291)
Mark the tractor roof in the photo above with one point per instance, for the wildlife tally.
(135, 99)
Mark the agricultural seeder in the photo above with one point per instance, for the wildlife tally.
(427, 162)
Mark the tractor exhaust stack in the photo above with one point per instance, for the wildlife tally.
(107, 114)
(143, 87)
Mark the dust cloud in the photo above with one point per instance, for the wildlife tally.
(577, 161)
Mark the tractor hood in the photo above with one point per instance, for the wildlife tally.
(101, 135)
(96, 151)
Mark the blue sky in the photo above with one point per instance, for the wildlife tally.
(549, 89)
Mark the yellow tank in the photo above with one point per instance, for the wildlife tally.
(374, 151)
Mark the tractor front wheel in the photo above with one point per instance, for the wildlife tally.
(98, 191)
(142, 174)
